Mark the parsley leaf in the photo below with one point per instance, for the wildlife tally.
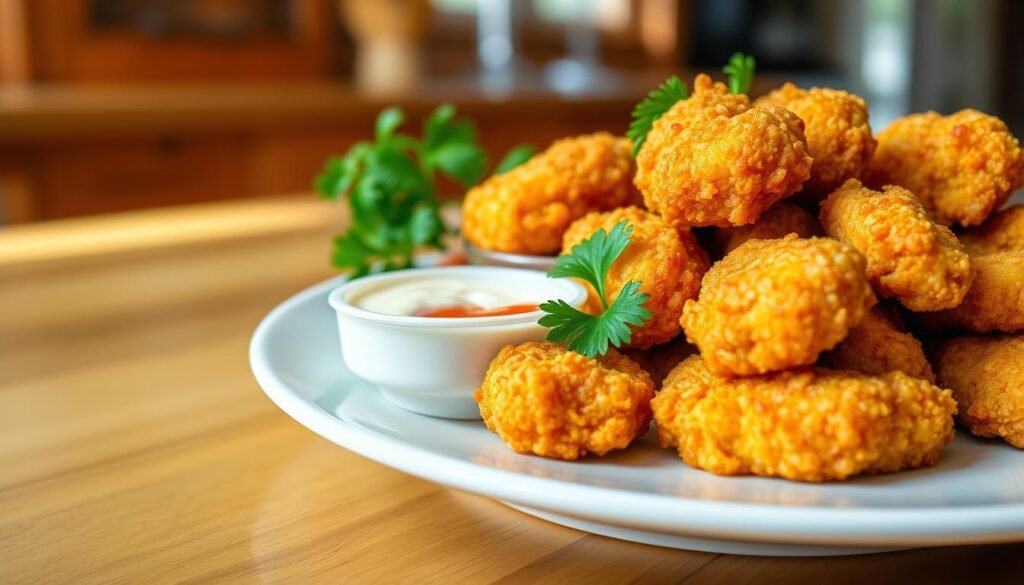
(740, 70)
(464, 162)
(449, 145)
(591, 258)
(591, 335)
(515, 157)
(387, 122)
(652, 107)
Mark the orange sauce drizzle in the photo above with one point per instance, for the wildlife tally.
(462, 311)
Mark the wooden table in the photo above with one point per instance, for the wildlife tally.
(135, 446)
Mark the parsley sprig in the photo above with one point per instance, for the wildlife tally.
(390, 186)
(740, 70)
(590, 335)
(653, 107)
(391, 189)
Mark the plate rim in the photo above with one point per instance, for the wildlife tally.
(679, 515)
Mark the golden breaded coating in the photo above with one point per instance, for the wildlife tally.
(962, 167)
(995, 301)
(910, 258)
(838, 134)
(808, 424)
(667, 262)
(527, 209)
(1003, 232)
(659, 360)
(986, 375)
(711, 161)
(880, 344)
(541, 398)
(782, 219)
(775, 304)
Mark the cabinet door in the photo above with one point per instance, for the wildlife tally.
(84, 179)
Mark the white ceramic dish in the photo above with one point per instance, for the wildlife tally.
(480, 257)
(432, 365)
(644, 494)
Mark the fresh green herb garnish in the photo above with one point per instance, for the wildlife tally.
(590, 335)
(740, 70)
(652, 107)
(515, 157)
(390, 185)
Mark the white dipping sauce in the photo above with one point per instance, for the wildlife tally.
(414, 297)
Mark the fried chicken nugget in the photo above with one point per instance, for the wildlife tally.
(880, 344)
(541, 398)
(995, 301)
(986, 375)
(838, 134)
(782, 219)
(962, 167)
(527, 209)
(712, 161)
(1003, 232)
(808, 424)
(667, 262)
(909, 257)
(775, 304)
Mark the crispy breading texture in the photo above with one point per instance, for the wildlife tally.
(880, 344)
(666, 261)
(986, 375)
(909, 257)
(838, 134)
(541, 398)
(659, 360)
(712, 161)
(782, 219)
(962, 167)
(526, 210)
(1003, 232)
(775, 304)
(995, 301)
(808, 424)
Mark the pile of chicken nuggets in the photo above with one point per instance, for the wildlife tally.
(824, 300)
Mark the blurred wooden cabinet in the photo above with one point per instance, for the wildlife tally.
(166, 40)
(75, 150)
(80, 179)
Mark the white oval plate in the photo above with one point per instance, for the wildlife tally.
(644, 494)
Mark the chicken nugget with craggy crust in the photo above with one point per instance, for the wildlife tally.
(880, 344)
(838, 134)
(782, 219)
(995, 301)
(1003, 232)
(659, 360)
(986, 375)
(541, 398)
(962, 167)
(711, 161)
(527, 209)
(666, 261)
(776, 304)
(909, 257)
(807, 424)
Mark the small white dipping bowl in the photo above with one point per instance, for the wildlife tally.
(432, 365)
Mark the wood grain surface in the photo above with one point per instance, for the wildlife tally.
(135, 446)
